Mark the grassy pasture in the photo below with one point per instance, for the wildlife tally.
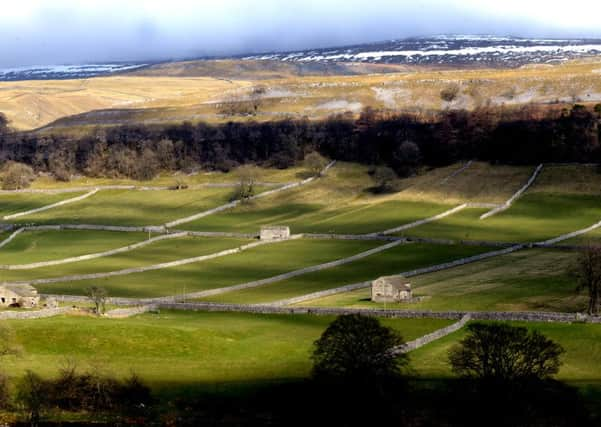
(179, 350)
(480, 182)
(165, 179)
(393, 261)
(530, 280)
(582, 343)
(156, 253)
(339, 203)
(134, 208)
(535, 217)
(343, 202)
(262, 262)
(20, 202)
(36, 246)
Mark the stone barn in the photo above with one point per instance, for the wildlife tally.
(275, 232)
(391, 289)
(19, 295)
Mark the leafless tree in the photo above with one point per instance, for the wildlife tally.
(98, 296)
(588, 275)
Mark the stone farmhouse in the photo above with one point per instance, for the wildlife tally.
(275, 232)
(19, 295)
(391, 289)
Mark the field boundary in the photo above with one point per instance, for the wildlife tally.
(283, 276)
(96, 255)
(423, 221)
(410, 273)
(11, 237)
(135, 188)
(52, 206)
(235, 203)
(431, 337)
(516, 196)
(161, 266)
(547, 243)
(457, 172)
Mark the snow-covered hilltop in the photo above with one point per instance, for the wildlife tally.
(488, 50)
(48, 72)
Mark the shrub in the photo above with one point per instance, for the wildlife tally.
(17, 176)
(449, 93)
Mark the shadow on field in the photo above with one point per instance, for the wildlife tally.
(417, 403)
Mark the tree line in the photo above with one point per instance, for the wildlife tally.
(525, 135)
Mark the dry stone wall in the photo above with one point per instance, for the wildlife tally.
(516, 196)
(161, 266)
(33, 314)
(457, 172)
(11, 237)
(436, 335)
(425, 221)
(93, 256)
(52, 206)
(237, 202)
(289, 275)
(411, 273)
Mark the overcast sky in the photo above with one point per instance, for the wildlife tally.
(37, 32)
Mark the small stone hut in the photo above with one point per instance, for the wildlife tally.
(391, 289)
(275, 232)
(19, 295)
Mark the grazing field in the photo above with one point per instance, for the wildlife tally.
(582, 343)
(534, 217)
(13, 203)
(134, 208)
(200, 177)
(529, 280)
(155, 253)
(479, 182)
(393, 261)
(257, 263)
(339, 203)
(35, 246)
(178, 350)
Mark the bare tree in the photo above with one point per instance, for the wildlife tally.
(384, 176)
(17, 176)
(315, 162)
(98, 296)
(248, 176)
(588, 275)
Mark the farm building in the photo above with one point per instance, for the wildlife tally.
(391, 289)
(19, 295)
(275, 232)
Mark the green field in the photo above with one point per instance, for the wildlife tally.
(20, 202)
(155, 253)
(177, 350)
(36, 246)
(534, 217)
(341, 202)
(258, 263)
(582, 343)
(134, 208)
(393, 261)
(529, 280)
(165, 179)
